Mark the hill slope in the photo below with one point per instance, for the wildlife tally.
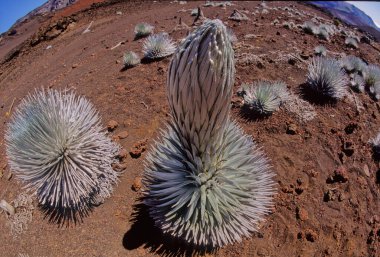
(311, 216)
(350, 14)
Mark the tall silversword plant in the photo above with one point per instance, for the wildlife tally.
(205, 181)
(56, 146)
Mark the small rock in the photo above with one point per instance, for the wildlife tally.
(111, 125)
(311, 235)
(119, 167)
(122, 135)
(278, 33)
(340, 175)
(304, 56)
(75, 65)
(328, 196)
(10, 175)
(238, 16)
(301, 214)
(350, 128)
(348, 149)
(341, 197)
(122, 154)
(260, 65)
(299, 190)
(287, 190)
(117, 61)
(291, 129)
(137, 184)
(138, 148)
(366, 170)
(375, 219)
(292, 61)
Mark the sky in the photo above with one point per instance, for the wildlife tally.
(372, 9)
(12, 10)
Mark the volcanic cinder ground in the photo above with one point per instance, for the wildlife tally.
(310, 218)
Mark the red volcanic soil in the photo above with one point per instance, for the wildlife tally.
(312, 216)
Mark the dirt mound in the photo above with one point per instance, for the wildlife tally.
(328, 183)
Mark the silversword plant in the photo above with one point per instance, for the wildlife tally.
(205, 181)
(353, 64)
(131, 59)
(320, 50)
(56, 146)
(327, 78)
(352, 42)
(143, 30)
(158, 46)
(263, 97)
(371, 77)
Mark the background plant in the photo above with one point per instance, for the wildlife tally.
(131, 59)
(55, 145)
(158, 46)
(143, 30)
(263, 97)
(327, 78)
(320, 50)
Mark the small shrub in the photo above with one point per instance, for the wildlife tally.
(238, 16)
(357, 83)
(288, 25)
(326, 78)
(131, 59)
(194, 12)
(320, 50)
(310, 28)
(323, 34)
(275, 22)
(376, 145)
(371, 77)
(143, 30)
(353, 64)
(352, 42)
(158, 46)
(264, 97)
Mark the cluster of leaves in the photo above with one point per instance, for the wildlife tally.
(263, 97)
(55, 145)
(327, 78)
(320, 50)
(158, 46)
(362, 76)
(323, 31)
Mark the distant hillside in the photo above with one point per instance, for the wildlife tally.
(49, 6)
(349, 14)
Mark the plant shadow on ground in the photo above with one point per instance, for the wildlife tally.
(251, 116)
(64, 216)
(314, 97)
(125, 68)
(146, 60)
(143, 232)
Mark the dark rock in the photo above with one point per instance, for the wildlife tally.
(311, 235)
(291, 129)
(340, 175)
(292, 61)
